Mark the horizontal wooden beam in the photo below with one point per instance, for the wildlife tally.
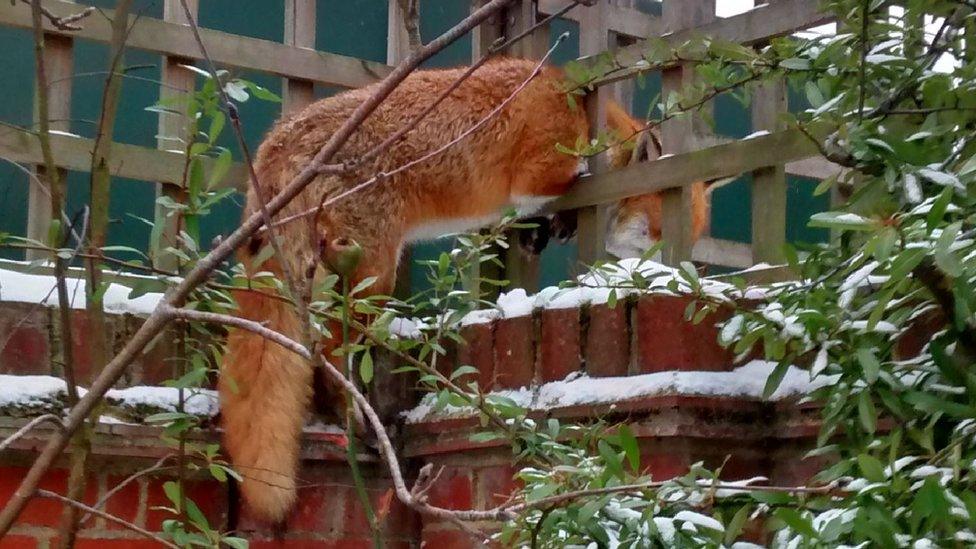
(726, 253)
(622, 20)
(815, 167)
(131, 161)
(729, 159)
(756, 25)
(226, 49)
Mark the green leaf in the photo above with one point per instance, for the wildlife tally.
(869, 364)
(736, 524)
(813, 94)
(363, 284)
(611, 459)
(366, 367)
(234, 543)
(938, 210)
(841, 220)
(486, 436)
(905, 262)
(795, 63)
(796, 521)
(172, 491)
(866, 412)
(944, 257)
(630, 446)
(871, 468)
(775, 378)
(221, 166)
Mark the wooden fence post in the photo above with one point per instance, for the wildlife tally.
(768, 184)
(397, 49)
(300, 33)
(59, 64)
(680, 135)
(592, 220)
(522, 269)
(176, 81)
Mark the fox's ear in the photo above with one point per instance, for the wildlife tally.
(621, 123)
(720, 182)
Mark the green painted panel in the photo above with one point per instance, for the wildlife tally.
(17, 66)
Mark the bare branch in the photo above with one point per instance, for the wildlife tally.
(50, 418)
(128, 480)
(237, 322)
(66, 23)
(112, 518)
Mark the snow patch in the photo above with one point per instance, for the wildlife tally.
(40, 289)
(747, 381)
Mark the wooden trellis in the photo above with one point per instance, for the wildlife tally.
(614, 25)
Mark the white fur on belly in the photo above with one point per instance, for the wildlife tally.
(436, 228)
(529, 204)
(433, 229)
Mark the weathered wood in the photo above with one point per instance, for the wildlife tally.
(128, 161)
(768, 183)
(58, 62)
(682, 169)
(227, 49)
(398, 48)
(622, 20)
(678, 135)
(593, 220)
(299, 33)
(522, 268)
(759, 24)
(178, 83)
(726, 253)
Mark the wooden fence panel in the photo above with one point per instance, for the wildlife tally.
(173, 39)
(299, 33)
(58, 62)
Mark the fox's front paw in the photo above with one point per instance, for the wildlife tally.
(533, 241)
(563, 225)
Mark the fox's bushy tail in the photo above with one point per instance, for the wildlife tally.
(264, 395)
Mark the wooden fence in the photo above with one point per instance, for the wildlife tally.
(694, 154)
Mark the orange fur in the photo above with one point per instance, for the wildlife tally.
(265, 390)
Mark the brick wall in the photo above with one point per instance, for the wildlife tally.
(637, 336)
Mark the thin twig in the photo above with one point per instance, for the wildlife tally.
(66, 23)
(51, 418)
(237, 322)
(112, 518)
(128, 480)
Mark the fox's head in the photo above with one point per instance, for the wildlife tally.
(635, 222)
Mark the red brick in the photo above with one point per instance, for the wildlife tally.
(479, 351)
(18, 542)
(39, 511)
(495, 485)
(514, 352)
(666, 341)
(396, 519)
(25, 329)
(449, 539)
(664, 465)
(607, 344)
(123, 504)
(559, 348)
(453, 489)
(209, 496)
(312, 544)
(918, 335)
(96, 543)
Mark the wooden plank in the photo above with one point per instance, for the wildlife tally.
(683, 169)
(226, 49)
(397, 49)
(593, 220)
(177, 82)
(58, 63)
(298, 93)
(522, 268)
(622, 20)
(678, 135)
(726, 253)
(814, 167)
(128, 161)
(768, 183)
(756, 25)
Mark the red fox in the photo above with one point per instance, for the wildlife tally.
(510, 161)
